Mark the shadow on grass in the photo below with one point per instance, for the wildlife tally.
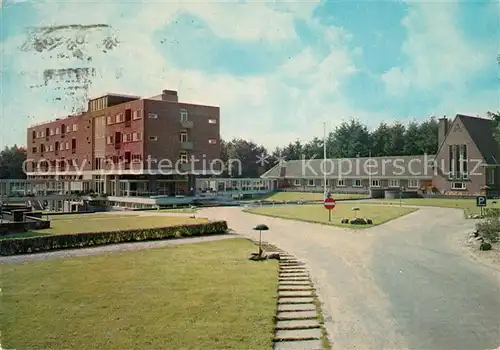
(26, 234)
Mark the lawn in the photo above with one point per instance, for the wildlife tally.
(195, 296)
(80, 223)
(318, 214)
(461, 203)
(304, 196)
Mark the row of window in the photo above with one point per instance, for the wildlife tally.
(130, 137)
(57, 146)
(183, 117)
(183, 157)
(412, 183)
(183, 138)
(123, 117)
(57, 131)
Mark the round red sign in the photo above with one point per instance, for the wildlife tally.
(329, 203)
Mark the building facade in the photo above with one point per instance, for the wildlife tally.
(466, 164)
(129, 146)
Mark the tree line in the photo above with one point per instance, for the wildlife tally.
(349, 139)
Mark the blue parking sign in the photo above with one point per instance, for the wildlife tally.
(481, 201)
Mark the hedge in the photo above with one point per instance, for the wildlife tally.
(79, 240)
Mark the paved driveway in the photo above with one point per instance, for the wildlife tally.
(407, 284)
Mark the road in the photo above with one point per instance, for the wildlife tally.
(407, 284)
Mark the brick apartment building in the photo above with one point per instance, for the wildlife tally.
(128, 145)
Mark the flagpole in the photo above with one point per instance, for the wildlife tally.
(324, 160)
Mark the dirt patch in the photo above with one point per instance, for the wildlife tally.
(490, 258)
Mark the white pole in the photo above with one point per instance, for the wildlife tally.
(324, 159)
(370, 173)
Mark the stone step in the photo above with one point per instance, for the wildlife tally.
(305, 282)
(299, 345)
(297, 307)
(284, 261)
(298, 334)
(295, 288)
(297, 324)
(289, 265)
(295, 300)
(286, 278)
(294, 275)
(295, 293)
(292, 269)
(296, 315)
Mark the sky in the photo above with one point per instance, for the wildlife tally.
(278, 70)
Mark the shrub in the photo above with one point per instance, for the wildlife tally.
(491, 212)
(54, 242)
(489, 229)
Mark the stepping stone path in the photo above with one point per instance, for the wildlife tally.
(298, 325)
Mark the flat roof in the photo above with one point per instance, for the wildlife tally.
(113, 94)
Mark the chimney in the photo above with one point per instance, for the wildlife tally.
(442, 130)
(169, 95)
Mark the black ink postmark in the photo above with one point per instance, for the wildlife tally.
(70, 41)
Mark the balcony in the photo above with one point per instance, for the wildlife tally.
(187, 145)
(187, 124)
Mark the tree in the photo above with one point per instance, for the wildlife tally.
(428, 136)
(396, 140)
(411, 137)
(350, 139)
(380, 140)
(11, 163)
(495, 117)
(293, 151)
(313, 149)
(245, 159)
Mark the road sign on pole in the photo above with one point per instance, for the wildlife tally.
(481, 202)
(329, 204)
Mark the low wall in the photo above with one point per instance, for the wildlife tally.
(377, 193)
(394, 194)
(23, 226)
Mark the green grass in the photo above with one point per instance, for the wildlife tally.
(318, 214)
(74, 223)
(304, 196)
(469, 204)
(196, 296)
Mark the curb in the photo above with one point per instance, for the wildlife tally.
(299, 322)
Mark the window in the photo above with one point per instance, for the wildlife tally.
(490, 176)
(111, 119)
(51, 148)
(51, 132)
(183, 157)
(412, 183)
(212, 121)
(463, 161)
(137, 114)
(327, 182)
(67, 145)
(153, 138)
(310, 182)
(75, 127)
(33, 150)
(212, 141)
(33, 134)
(340, 183)
(42, 148)
(356, 183)
(120, 118)
(184, 114)
(152, 116)
(184, 136)
(127, 137)
(458, 186)
(137, 136)
(297, 182)
(393, 183)
(375, 183)
(110, 140)
(57, 131)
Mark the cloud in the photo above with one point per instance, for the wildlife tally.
(438, 55)
(290, 103)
